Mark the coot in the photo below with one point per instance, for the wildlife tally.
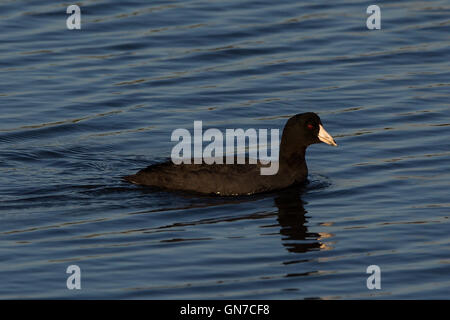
(299, 132)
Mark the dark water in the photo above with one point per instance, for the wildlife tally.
(81, 109)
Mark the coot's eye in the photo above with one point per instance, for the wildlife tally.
(310, 126)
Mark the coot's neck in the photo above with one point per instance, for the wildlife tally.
(292, 159)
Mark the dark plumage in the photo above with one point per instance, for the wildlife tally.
(299, 132)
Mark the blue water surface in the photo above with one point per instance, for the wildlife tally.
(82, 108)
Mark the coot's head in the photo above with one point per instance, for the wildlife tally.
(305, 129)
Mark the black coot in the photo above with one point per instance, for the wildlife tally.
(299, 132)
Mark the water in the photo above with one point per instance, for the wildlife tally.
(81, 109)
